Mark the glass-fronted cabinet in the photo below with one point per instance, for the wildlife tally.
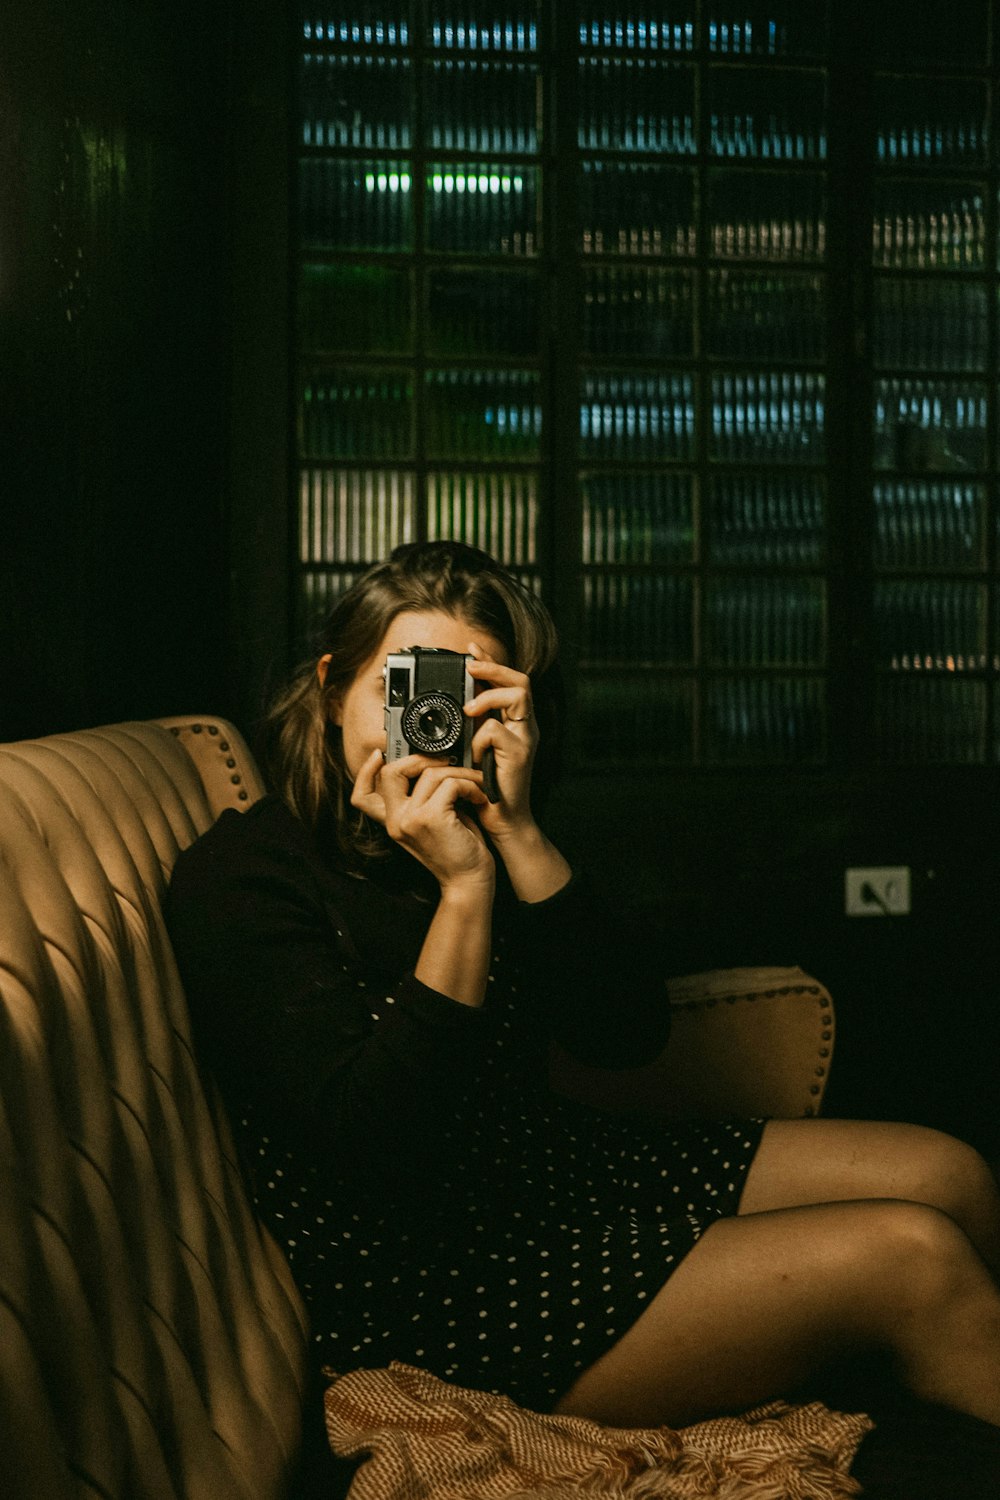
(933, 398)
(581, 284)
(420, 285)
(700, 166)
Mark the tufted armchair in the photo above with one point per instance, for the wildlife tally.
(152, 1341)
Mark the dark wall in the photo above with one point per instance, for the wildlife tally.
(114, 319)
(748, 868)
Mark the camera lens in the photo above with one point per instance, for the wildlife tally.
(432, 723)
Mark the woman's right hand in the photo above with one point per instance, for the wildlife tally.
(417, 800)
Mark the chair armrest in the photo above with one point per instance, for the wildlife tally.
(743, 1042)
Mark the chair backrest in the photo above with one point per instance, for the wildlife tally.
(152, 1342)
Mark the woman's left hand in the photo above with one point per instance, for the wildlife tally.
(514, 738)
(535, 867)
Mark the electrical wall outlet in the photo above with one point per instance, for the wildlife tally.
(877, 891)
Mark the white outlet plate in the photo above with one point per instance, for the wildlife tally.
(877, 891)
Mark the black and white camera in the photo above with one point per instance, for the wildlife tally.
(425, 691)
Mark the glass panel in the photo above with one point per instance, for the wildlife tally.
(766, 622)
(638, 27)
(935, 34)
(370, 21)
(483, 413)
(488, 209)
(482, 312)
(635, 104)
(638, 618)
(354, 515)
(934, 720)
(935, 425)
(318, 592)
(939, 122)
(496, 512)
(766, 519)
(767, 28)
(766, 315)
(637, 311)
(633, 415)
(638, 518)
(363, 102)
(355, 205)
(920, 226)
(767, 215)
(930, 625)
(482, 106)
(765, 720)
(472, 27)
(930, 324)
(361, 414)
(768, 418)
(768, 116)
(361, 308)
(636, 718)
(923, 524)
(628, 208)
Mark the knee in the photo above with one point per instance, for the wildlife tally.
(924, 1256)
(955, 1177)
(929, 1285)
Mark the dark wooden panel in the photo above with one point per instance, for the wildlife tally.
(114, 312)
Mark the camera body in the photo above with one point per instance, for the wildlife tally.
(426, 689)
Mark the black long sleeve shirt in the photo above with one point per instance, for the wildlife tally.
(299, 974)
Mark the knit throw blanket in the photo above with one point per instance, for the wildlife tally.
(428, 1440)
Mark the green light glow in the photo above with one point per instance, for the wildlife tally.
(387, 182)
(446, 182)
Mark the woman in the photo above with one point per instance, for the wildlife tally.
(377, 957)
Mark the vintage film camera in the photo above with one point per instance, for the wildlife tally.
(425, 689)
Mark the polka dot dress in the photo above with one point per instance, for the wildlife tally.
(549, 1230)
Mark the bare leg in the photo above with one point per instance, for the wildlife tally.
(765, 1302)
(800, 1162)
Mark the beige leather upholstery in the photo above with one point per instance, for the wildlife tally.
(748, 1041)
(152, 1343)
(151, 1339)
(744, 1042)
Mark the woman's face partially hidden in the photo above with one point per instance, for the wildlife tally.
(360, 710)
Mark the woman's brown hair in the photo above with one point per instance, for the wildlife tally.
(302, 746)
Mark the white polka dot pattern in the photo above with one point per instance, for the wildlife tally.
(550, 1228)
